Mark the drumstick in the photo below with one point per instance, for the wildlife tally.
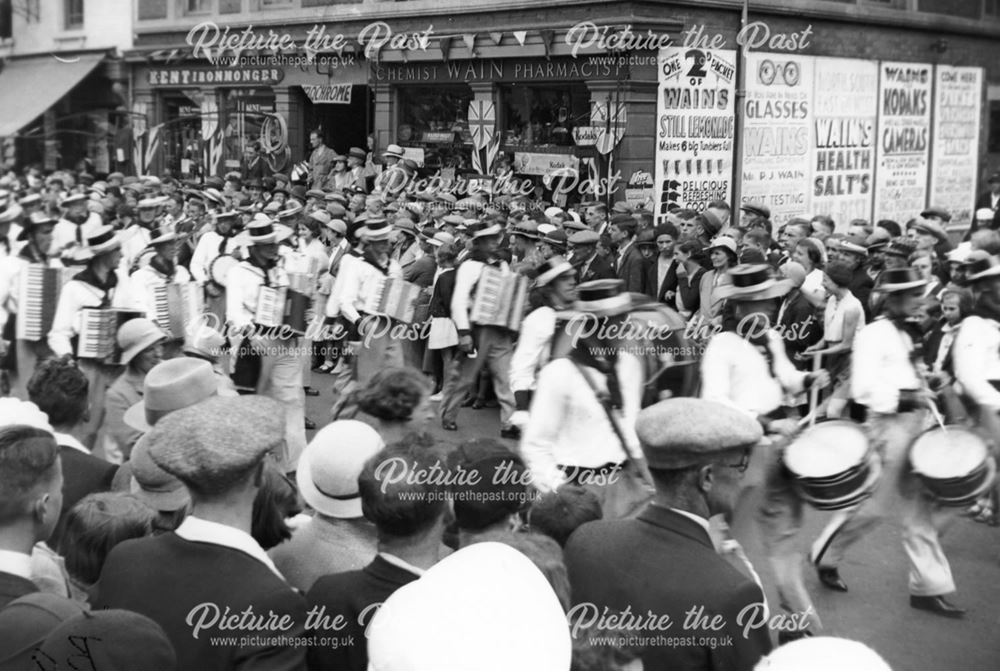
(814, 389)
(937, 415)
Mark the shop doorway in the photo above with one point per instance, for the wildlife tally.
(344, 125)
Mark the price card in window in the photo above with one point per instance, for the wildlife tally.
(186, 165)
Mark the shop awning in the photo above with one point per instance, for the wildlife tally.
(32, 85)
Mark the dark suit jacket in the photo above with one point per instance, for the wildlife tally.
(669, 282)
(801, 326)
(421, 271)
(664, 563)
(441, 296)
(166, 577)
(83, 474)
(349, 594)
(632, 269)
(14, 587)
(861, 286)
(599, 269)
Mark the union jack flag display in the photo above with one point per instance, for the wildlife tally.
(482, 118)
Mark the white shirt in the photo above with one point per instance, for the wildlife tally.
(198, 530)
(736, 373)
(813, 285)
(333, 303)
(976, 356)
(16, 563)
(568, 425)
(67, 440)
(358, 279)
(135, 239)
(881, 366)
(147, 278)
(465, 280)
(835, 317)
(207, 251)
(243, 285)
(75, 296)
(533, 347)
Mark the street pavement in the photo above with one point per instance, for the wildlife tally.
(876, 610)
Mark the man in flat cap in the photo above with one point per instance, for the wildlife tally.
(210, 569)
(584, 257)
(696, 451)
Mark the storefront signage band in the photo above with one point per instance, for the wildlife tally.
(337, 94)
(215, 76)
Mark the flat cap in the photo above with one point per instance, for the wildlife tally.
(584, 238)
(209, 446)
(937, 211)
(757, 208)
(683, 432)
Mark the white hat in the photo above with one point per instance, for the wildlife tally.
(262, 230)
(137, 334)
(375, 230)
(394, 150)
(486, 607)
(823, 653)
(553, 211)
(14, 412)
(545, 229)
(985, 214)
(329, 467)
(101, 240)
(552, 268)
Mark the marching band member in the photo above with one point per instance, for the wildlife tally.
(211, 246)
(377, 349)
(279, 371)
(555, 287)
(98, 286)
(885, 378)
(161, 270)
(748, 368)
(478, 345)
(70, 230)
(581, 425)
(37, 234)
(135, 238)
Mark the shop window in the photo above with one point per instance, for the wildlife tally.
(182, 146)
(230, 6)
(991, 9)
(252, 138)
(993, 142)
(966, 9)
(435, 119)
(890, 4)
(270, 4)
(198, 6)
(543, 115)
(152, 9)
(74, 14)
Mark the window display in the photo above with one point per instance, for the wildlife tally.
(543, 115)
(435, 119)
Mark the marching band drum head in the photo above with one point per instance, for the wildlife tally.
(946, 454)
(827, 450)
(220, 267)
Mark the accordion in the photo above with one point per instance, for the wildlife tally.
(392, 297)
(177, 306)
(37, 298)
(499, 299)
(282, 306)
(98, 336)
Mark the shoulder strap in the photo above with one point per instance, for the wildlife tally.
(605, 402)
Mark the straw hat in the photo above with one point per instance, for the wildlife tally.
(753, 282)
(603, 298)
(329, 467)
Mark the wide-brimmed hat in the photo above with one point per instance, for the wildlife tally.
(406, 227)
(556, 238)
(135, 335)
(482, 229)
(375, 230)
(551, 268)
(394, 150)
(205, 342)
(894, 280)
(526, 229)
(603, 298)
(73, 199)
(584, 237)
(724, 242)
(980, 265)
(852, 245)
(261, 230)
(329, 467)
(169, 386)
(162, 236)
(211, 444)
(33, 199)
(37, 219)
(753, 282)
(930, 227)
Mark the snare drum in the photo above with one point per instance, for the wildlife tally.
(220, 267)
(954, 465)
(833, 465)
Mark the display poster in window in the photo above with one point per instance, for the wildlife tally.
(843, 151)
(777, 128)
(958, 93)
(904, 130)
(528, 163)
(695, 104)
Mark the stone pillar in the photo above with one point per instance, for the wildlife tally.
(288, 105)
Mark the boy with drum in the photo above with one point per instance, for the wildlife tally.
(748, 368)
(885, 378)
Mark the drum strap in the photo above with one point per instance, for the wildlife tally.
(605, 400)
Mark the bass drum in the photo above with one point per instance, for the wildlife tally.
(832, 465)
(954, 465)
(654, 332)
